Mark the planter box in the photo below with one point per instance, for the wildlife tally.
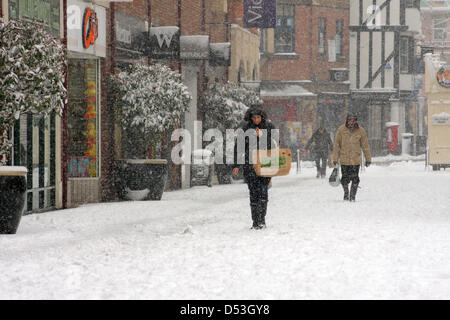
(140, 179)
(13, 187)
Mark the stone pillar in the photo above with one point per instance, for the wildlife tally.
(190, 79)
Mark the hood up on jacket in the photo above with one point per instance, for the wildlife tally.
(255, 110)
(352, 116)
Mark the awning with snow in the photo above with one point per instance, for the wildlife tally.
(284, 89)
(220, 54)
(194, 47)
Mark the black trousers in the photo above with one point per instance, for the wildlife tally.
(324, 157)
(350, 174)
(258, 187)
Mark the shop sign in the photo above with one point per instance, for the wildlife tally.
(131, 36)
(443, 76)
(86, 28)
(220, 54)
(164, 43)
(440, 119)
(260, 13)
(90, 28)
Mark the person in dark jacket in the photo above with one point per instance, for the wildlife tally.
(258, 135)
(350, 140)
(321, 145)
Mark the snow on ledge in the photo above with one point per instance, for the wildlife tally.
(13, 169)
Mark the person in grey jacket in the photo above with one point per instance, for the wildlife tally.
(321, 146)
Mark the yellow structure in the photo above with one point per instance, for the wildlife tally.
(244, 55)
(437, 89)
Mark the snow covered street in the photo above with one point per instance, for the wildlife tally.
(393, 243)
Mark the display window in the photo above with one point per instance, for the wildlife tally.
(45, 12)
(83, 122)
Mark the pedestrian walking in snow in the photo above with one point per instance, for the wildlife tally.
(350, 140)
(321, 145)
(260, 127)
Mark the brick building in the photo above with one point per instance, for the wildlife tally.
(304, 68)
(75, 161)
(435, 27)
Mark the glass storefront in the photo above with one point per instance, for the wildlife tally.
(83, 122)
(45, 12)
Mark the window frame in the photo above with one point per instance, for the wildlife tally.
(406, 55)
(284, 14)
(322, 30)
(340, 33)
(442, 28)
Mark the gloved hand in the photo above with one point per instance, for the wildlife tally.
(368, 163)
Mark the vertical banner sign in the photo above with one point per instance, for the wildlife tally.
(260, 13)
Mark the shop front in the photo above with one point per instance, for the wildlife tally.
(292, 109)
(86, 42)
(37, 140)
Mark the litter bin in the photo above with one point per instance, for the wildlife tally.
(406, 143)
(201, 168)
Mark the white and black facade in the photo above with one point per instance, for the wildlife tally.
(382, 64)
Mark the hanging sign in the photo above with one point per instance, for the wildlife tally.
(443, 76)
(260, 13)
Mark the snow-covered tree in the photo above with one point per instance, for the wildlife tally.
(225, 105)
(32, 69)
(148, 100)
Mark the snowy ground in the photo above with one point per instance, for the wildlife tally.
(393, 243)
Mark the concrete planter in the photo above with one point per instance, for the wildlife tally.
(141, 179)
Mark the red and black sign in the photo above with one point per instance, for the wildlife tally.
(90, 28)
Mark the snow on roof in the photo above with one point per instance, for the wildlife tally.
(282, 89)
(168, 30)
(442, 114)
(375, 90)
(391, 124)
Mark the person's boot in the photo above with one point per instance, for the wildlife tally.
(262, 214)
(345, 186)
(353, 191)
(255, 213)
(318, 174)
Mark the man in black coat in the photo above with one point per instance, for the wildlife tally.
(257, 132)
(321, 145)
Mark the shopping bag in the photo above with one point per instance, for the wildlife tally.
(272, 163)
(335, 179)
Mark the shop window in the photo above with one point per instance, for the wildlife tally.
(406, 55)
(322, 35)
(285, 29)
(45, 12)
(83, 90)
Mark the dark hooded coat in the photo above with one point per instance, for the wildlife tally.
(243, 159)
